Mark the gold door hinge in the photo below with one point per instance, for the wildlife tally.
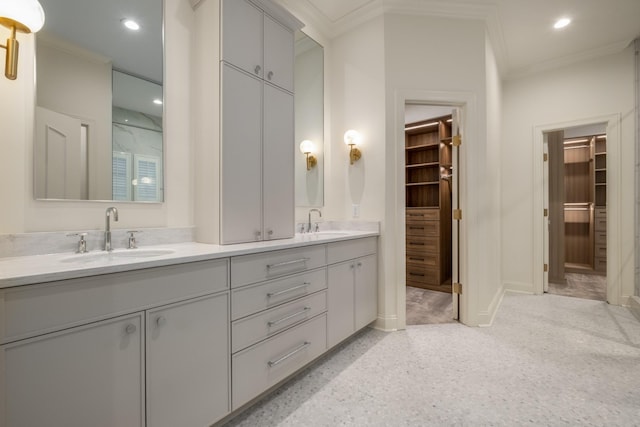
(545, 157)
(457, 288)
(546, 212)
(456, 141)
(457, 214)
(546, 268)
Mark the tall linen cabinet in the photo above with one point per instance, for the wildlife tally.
(244, 126)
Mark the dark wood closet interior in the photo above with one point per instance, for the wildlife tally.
(428, 203)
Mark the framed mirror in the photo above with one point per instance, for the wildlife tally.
(98, 120)
(309, 119)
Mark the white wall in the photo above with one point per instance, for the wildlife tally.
(23, 214)
(591, 89)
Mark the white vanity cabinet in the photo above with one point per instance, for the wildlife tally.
(352, 287)
(256, 43)
(91, 375)
(77, 352)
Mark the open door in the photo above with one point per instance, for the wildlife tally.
(456, 132)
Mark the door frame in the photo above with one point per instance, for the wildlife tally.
(614, 220)
(465, 101)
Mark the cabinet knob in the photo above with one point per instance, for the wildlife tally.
(161, 320)
(352, 266)
(257, 69)
(270, 75)
(359, 264)
(130, 329)
(258, 235)
(270, 233)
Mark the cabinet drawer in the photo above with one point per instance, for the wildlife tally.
(600, 251)
(600, 213)
(427, 275)
(35, 309)
(414, 215)
(263, 365)
(247, 269)
(600, 223)
(350, 249)
(600, 264)
(422, 244)
(252, 299)
(248, 331)
(601, 238)
(423, 259)
(424, 228)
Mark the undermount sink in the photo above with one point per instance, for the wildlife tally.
(327, 234)
(114, 255)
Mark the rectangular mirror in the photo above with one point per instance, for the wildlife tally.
(98, 121)
(309, 119)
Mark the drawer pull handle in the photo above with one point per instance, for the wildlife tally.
(285, 291)
(130, 329)
(296, 350)
(416, 274)
(291, 316)
(282, 264)
(417, 243)
(416, 228)
(416, 259)
(415, 214)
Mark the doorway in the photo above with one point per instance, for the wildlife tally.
(576, 191)
(429, 198)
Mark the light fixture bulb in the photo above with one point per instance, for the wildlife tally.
(131, 24)
(352, 137)
(157, 101)
(307, 146)
(561, 23)
(26, 15)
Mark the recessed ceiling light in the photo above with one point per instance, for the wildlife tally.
(131, 24)
(157, 101)
(561, 23)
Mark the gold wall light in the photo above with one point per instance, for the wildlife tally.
(307, 147)
(25, 16)
(353, 138)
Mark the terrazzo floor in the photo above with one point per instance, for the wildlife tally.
(546, 361)
(589, 286)
(426, 307)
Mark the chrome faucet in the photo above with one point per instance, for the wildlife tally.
(309, 223)
(107, 227)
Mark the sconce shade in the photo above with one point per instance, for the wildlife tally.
(352, 137)
(26, 16)
(307, 146)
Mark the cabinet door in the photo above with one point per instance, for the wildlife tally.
(278, 54)
(366, 289)
(340, 302)
(278, 176)
(86, 376)
(188, 363)
(242, 36)
(241, 157)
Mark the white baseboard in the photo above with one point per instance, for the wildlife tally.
(634, 306)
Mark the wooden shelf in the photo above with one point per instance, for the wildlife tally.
(424, 165)
(423, 147)
(413, 184)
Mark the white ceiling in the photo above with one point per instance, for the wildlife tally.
(521, 30)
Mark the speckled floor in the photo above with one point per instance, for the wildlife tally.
(547, 361)
(426, 307)
(589, 286)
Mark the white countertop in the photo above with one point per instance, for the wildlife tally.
(25, 270)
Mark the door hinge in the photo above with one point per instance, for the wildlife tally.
(546, 268)
(457, 288)
(545, 157)
(546, 212)
(457, 214)
(456, 141)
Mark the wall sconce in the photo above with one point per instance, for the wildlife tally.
(25, 16)
(351, 138)
(307, 147)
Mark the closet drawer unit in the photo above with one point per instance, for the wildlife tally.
(267, 363)
(600, 251)
(424, 228)
(424, 275)
(601, 238)
(252, 299)
(600, 223)
(418, 215)
(423, 244)
(247, 269)
(419, 260)
(350, 249)
(600, 264)
(250, 330)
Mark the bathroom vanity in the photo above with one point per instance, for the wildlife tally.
(183, 334)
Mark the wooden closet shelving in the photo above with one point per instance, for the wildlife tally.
(428, 204)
